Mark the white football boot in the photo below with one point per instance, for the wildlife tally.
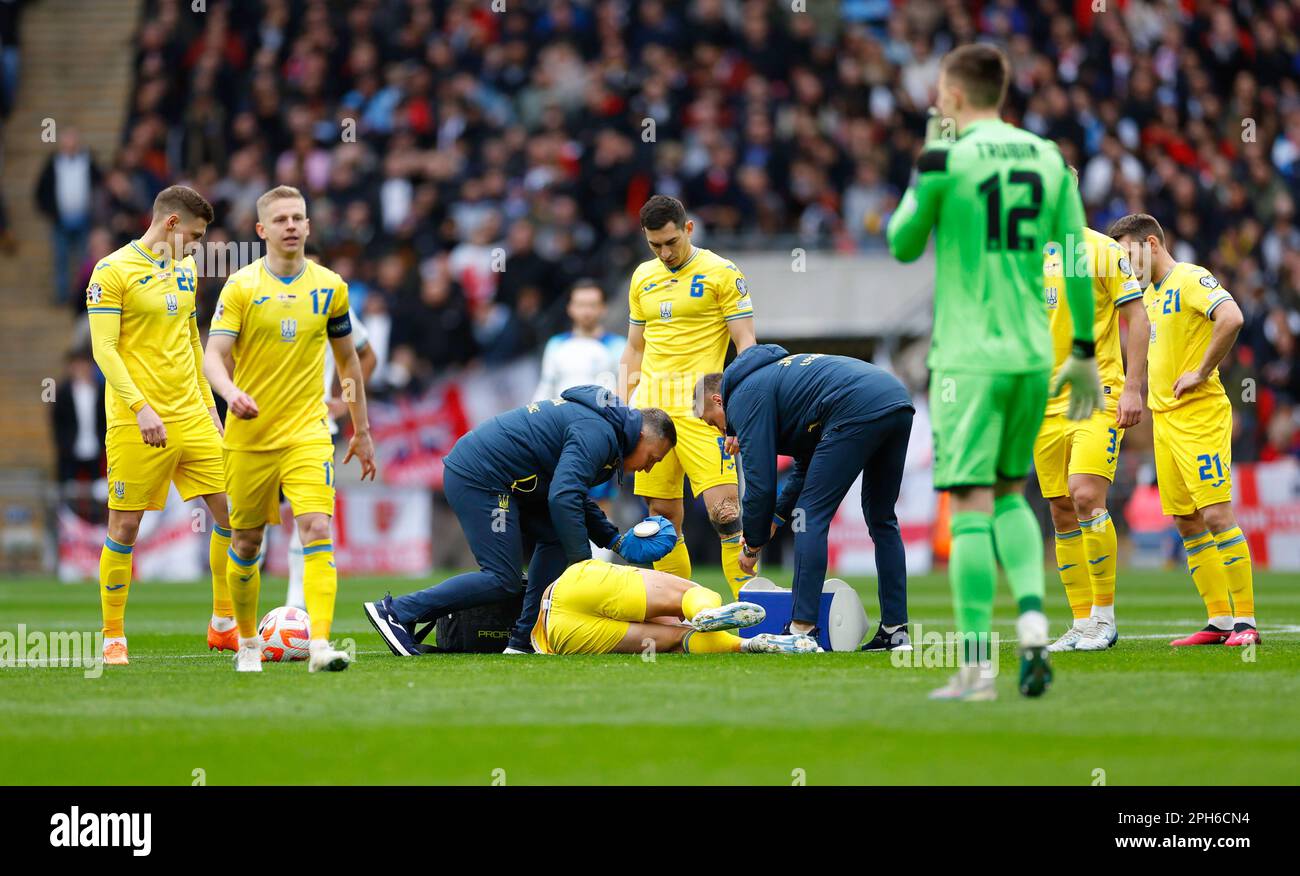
(326, 658)
(773, 643)
(969, 685)
(1100, 636)
(1071, 638)
(249, 656)
(732, 616)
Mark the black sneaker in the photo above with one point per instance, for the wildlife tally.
(814, 633)
(399, 638)
(898, 640)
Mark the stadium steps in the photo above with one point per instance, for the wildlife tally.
(77, 60)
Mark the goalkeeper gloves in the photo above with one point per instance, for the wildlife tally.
(1079, 373)
(649, 540)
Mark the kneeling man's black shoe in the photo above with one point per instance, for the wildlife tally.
(898, 640)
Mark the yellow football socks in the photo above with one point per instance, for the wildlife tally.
(114, 585)
(1235, 555)
(1071, 565)
(710, 643)
(1208, 573)
(1100, 545)
(696, 599)
(731, 564)
(676, 562)
(320, 584)
(244, 579)
(218, 547)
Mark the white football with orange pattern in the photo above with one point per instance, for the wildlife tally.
(286, 634)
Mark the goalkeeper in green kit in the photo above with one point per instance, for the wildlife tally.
(997, 197)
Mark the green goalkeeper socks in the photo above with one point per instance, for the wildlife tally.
(973, 573)
(1020, 550)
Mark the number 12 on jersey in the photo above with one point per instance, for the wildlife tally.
(1003, 233)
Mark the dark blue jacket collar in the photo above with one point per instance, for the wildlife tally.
(746, 364)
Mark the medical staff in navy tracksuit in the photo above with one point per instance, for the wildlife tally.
(838, 417)
(519, 484)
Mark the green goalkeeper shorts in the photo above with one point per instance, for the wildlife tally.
(985, 425)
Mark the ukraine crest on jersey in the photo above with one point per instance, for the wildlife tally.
(282, 326)
(685, 312)
(154, 299)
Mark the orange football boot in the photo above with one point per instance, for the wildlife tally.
(227, 641)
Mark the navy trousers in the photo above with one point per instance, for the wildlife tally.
(877, 450)
(500, 538)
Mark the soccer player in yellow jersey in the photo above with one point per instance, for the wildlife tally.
(595, 607)
(685, 304)
(163, 426)
(1194, 322)
(275, 317)
(1075, 459)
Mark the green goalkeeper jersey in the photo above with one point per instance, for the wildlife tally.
(996, 197)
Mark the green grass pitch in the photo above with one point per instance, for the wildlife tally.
(1144, 713)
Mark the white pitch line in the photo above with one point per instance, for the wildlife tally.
(199, 656)
(1275, 631)
(1272, 631)
(181, 657)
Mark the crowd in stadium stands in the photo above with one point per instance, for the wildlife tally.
(426, 135)
(10, 56)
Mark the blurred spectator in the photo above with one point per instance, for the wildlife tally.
(868, 203)
(9, 54)
(79, 421)
(587, 353)
(436, 326)
(8, 245)
(379, 322)
(1283, 436)
(65, 193)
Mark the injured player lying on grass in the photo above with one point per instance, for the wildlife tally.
(597, 607)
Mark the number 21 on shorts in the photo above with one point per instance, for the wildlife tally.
(1209, 462)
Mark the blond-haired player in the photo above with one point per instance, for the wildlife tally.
(163, 426)
(685, 304)
(1194, 322)
(275, 318)
(1076, 459)
(596, 607)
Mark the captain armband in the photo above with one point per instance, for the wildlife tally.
(339, 326)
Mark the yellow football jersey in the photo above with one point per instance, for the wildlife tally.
(281, 326)
(1113, 285)
(685, 312)
(143, 308)
(1180, 306)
